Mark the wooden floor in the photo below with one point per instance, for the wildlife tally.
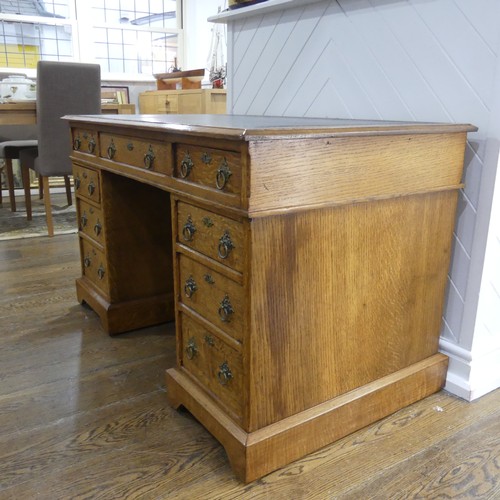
(84, 415)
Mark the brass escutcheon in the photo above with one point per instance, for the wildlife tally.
(207, 221)
(208, 278)
(206, 158)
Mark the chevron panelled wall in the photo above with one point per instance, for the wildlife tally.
(422, 60)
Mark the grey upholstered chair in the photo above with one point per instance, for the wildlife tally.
(62, 89)
(14, 138)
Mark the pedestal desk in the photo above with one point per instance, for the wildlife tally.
(304, 262)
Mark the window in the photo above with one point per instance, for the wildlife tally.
(123, 36)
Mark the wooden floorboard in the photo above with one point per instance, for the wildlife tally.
(85, 415)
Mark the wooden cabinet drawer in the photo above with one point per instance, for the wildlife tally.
(211, 234)
(90, 221)
(211, 168)
(167, 103)
(148, 155)
(87, 183)
(94, 265)
(217, 298)
(84, 141)
(216, 365)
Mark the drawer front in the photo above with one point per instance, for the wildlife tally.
(217, 298)
(213, 235)
(167, 104)
(151, 156)
(94, 266)
(90, 221)
(84, 141)
(210, 168)
(87, 183)
(217, 366)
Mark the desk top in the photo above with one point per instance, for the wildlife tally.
(245, 127)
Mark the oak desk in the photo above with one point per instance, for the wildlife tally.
(303, 260)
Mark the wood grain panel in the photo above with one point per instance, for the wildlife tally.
(351, 169)
(378, 273)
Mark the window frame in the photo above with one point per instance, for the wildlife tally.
(79, 20)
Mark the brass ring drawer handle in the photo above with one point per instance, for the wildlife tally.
(191, 349)
(190, 287)
(97, 228)
(111, 150)
(225, 310)
(77, 143)
(78, 182)
(91, 188)
(149, 158)
(83, 220)
(224, 375)
(100, 272)
(222, 175)
(186, 166)
(91, 145)
(188, 230)
(87, 261)
(225, 246)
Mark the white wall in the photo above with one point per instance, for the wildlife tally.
(198, 31)
(416, 60)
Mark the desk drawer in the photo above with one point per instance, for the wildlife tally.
(148, 155)
(84, 141)
(90, 221)
(216, 365)
(217, 298)
(87, 183)
(211, 234)
(211, 168)
(94, 266)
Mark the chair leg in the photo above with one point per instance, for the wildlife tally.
(10, 181)
(40, 187)
(48, 208)
(25, 173)
(68, 190)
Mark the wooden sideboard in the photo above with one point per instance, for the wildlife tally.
(303, 260)
(191, 101)
(24, 112)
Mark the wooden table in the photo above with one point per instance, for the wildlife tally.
(24, 112)
(304, 262)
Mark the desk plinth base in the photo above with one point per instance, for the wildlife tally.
(255, 454)
(129, 315)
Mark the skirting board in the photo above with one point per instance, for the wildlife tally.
(470, 375)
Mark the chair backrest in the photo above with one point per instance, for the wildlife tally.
(62, 89)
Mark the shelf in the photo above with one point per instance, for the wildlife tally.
(257, 9)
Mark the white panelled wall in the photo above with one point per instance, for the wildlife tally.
(422, 60)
